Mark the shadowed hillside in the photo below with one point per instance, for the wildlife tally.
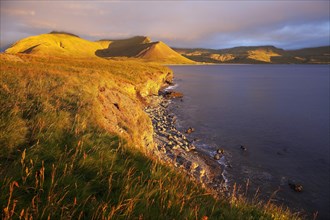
(258, 54)
(141, 47)
(124, 48)
(312, 55)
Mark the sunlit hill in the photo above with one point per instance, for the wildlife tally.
(76, 143)
(69, 45)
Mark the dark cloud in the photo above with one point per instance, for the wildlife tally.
(212, 24)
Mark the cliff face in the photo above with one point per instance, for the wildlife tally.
(123, 113)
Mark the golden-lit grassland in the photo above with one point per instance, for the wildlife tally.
(262, 55)
(57, 45)
(72, 146)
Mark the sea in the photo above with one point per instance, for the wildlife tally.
(279, 113)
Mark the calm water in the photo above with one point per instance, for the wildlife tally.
(279, 112)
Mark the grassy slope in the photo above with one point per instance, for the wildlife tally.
(57, 45)
(160, 51)
(62, 157)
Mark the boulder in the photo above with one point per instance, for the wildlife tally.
(217, 156)
(176, 147)
(190, 130)
(192, 147)
(187, 149)
(296, 187)
(172, 94)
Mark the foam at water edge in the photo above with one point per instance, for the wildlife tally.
(223, 164)
(171, 87)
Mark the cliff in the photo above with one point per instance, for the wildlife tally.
(117, 91)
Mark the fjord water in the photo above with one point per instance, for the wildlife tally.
(280, 113)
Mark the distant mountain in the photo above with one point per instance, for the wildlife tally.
(67, 44)
(258, 54)
(141, 47)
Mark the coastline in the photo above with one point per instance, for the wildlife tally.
(211, 126)
(106, 155)
(177, 148)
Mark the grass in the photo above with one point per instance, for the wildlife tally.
(67, 152)
(59, 44)
(262, 55)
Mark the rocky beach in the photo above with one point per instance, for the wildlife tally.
(177, 147)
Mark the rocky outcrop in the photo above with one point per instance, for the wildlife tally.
(122, 110)
(222, 57)
(172, 94)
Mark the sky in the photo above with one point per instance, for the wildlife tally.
(189, 24)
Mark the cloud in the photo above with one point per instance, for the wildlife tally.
(180, 23)
(17, 12)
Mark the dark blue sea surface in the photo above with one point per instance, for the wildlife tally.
(280, 113)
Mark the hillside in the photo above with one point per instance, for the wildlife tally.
(142, 47)
(56, 44)
(62, 44)
(311, 55)
(258, 54)
(75, 142)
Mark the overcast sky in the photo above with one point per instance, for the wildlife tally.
(210, 24)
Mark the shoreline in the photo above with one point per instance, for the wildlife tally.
(177, 147)
(245, 171)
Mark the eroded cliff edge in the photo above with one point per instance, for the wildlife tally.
(123, 110)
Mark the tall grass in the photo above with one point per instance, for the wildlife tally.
(58, 160)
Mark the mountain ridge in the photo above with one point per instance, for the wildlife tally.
(258, 54)
(57, 43)
(70, 45)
